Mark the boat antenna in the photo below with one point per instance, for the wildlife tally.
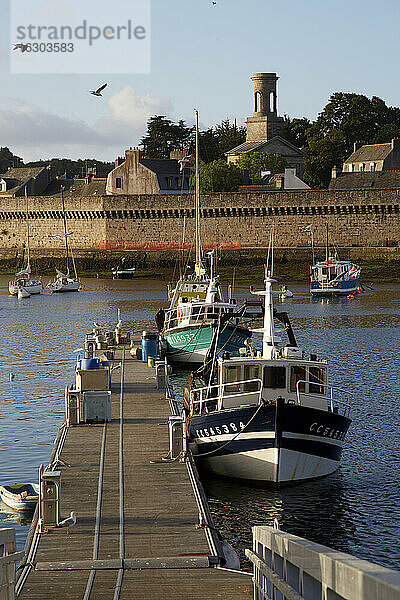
(199, 265)
(27, 229)
(327, 243)
(65, 227)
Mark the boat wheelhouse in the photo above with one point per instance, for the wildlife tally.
(333, 277)
(271, 416)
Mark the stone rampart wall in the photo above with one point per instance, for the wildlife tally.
(363, 218)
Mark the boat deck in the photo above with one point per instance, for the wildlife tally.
(137, 533)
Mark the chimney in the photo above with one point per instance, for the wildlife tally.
(336, 172)
(395, 144)
(177, 154)
(357, 145)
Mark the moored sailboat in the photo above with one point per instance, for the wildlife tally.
(270, 416)
(64, 282)
(24, 285)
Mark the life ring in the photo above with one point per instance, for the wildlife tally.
(179, 313)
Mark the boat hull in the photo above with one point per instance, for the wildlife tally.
(189, 345)
(72, 286)
(11, 495)
(282, 444)
(342, 288)
(32, 289)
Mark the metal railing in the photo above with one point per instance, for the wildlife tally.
(8, 561)
(287, 567)
(331, 402)
(205, 397)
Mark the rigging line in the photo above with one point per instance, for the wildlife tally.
(234, 437)
(92, 574)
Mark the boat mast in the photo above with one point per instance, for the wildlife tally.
(199, 265)
(27, 230)
(65, 227)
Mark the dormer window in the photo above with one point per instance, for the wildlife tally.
(362, 166)
(372, 167)
(3, 185)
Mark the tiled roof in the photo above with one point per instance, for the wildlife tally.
(76, 187)
(17, 176)
(161, 166)
(366, 180)
(370, 152)
(246, 147)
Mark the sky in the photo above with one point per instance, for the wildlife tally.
(196, 55)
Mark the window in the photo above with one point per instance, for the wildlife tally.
(232, 374)
(258, 102)
(251, 372)
(317, 376)
(118, 182)
(297, 374)
(362, 166)
(372, 166)
(275, 377)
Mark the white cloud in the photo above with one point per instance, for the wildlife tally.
(32, 133)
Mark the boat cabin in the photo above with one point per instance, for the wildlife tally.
(195, 289)
(334, 270)
(253, 380)
(189, 312)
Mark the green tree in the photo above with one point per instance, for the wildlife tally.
(255, 162)
(8, 159)
(163, 136)
(73, 168)
(295, 131)
(218, 176)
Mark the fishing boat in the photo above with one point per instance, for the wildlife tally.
(20, 496)
(64, 282)
(198, 312)
(23, 281)
(334, 277)
(196, 331)
(269, 416)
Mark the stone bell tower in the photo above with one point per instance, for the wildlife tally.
(265, 123)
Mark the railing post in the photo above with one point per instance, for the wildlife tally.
(8, 561)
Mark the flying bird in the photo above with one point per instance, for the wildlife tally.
(69, 521)
(22, 47)
(214, 3)
(99, 90)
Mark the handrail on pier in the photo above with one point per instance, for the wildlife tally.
(8, 562)
(296, 569)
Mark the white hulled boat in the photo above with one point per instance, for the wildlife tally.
(271, 416)
(64, 282)
(23, 281)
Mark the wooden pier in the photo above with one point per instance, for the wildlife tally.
(143, 526)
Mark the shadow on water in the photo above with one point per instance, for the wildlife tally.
(314, 510)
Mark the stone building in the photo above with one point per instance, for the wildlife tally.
(34, 179)
(265, 127)
(370, 165)
(134, 174)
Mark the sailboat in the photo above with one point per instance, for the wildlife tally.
(269, 416)
(23, 285)
(64, 282)
(333, 277)
(198, 312)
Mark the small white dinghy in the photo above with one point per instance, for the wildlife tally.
(23, 293)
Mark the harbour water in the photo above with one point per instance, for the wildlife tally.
(355, 510)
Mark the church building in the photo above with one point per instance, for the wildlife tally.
(265, 127)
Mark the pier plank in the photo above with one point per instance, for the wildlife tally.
(161, 516)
